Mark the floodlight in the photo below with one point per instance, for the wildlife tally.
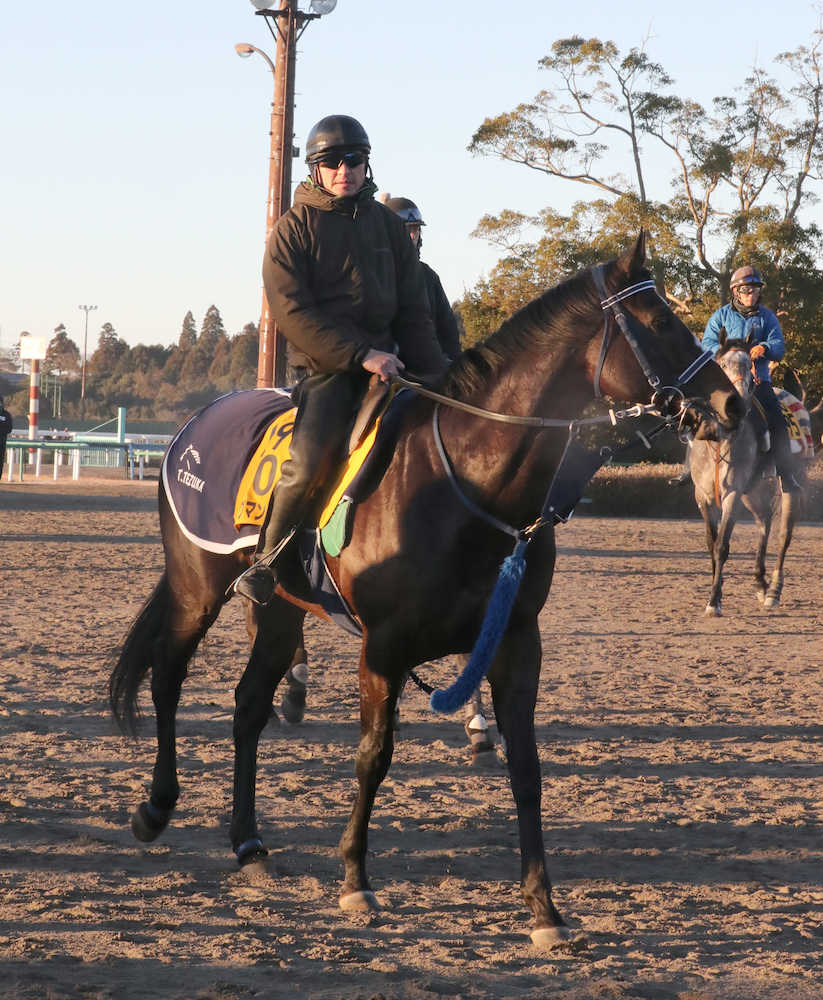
(321, 7)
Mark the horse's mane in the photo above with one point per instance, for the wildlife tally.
(550, 319)
(733, 344)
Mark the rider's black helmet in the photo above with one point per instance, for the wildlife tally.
(746, 275)
(333, 133)
(407, 210)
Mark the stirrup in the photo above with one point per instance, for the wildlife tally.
(266, 561)
(257, 583)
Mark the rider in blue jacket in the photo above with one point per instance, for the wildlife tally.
(744, 317)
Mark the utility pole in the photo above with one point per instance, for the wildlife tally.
(286, 25)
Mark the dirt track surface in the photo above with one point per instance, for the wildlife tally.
(682, 806)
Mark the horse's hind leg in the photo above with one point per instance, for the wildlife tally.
(787, 518)
(276, 632)
(759, 502)
(293, 704)
(514, 677)
(378, 697)
(187, 621)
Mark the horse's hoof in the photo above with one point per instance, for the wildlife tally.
(148, 822)
(547, 938)
(364, 900)
(771, 602)
(249, 851)
(484, 759)
(713, 611)
(761, 597)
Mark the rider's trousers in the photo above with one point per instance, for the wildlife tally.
(781, 447)
(326, 405)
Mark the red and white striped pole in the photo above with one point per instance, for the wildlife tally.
(34, 404)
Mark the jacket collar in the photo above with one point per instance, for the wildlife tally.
(309, 193)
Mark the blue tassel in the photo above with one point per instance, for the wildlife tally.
(494, 625)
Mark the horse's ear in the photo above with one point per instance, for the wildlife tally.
(722, 336)
(750, 338)
(632, 260)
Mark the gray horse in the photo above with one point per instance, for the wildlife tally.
(738, 470)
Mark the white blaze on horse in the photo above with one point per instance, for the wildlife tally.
(739, 470)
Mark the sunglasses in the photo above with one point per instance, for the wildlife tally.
(748, 289)
(334, 161)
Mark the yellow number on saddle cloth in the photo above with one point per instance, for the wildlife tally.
(263, 471)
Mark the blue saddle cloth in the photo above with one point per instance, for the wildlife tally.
(204, 464)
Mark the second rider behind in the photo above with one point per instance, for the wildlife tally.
(346, 289)
(745, 317)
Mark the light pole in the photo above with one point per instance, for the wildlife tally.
(286, 25)
(86, 310)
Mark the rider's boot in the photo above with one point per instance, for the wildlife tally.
(276, 558)
(783, 460)
(680, 479)
(685, 473)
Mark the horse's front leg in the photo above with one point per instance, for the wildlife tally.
(513, 677)
(378, 697)
(276, 631)
(729, 512)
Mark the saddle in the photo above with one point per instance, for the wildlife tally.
(263, 470)
(376, 398)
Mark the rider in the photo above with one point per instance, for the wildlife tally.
(745, 317)
(346, 289)
(445, 324)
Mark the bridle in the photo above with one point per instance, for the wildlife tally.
(610, 304)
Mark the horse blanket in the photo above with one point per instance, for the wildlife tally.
(798, 423)
(220, 469)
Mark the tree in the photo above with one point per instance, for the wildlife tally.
(244, 350)
(211, 331)
(62, 354)
(188, 333)
(740, 181)
(198, 360)
(110, 349)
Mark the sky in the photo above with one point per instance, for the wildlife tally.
(135, 142)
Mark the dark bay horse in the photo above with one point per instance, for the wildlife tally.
(421, 565)
(734, 472)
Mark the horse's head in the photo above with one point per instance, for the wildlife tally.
(680, 380)
(733, 358)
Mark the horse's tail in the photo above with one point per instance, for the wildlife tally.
(137, 657)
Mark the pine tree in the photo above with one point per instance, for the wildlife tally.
(188, 333)
(62, 354)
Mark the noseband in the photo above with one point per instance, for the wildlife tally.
(614, 313)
